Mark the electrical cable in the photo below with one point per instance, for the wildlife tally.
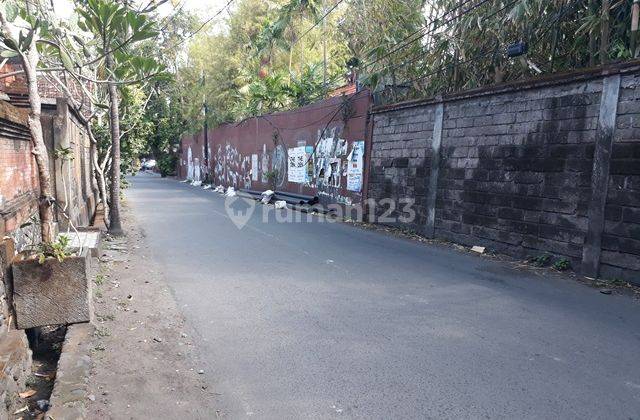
(399, 47)
(205, 23)
(416, 57)
(317, 22)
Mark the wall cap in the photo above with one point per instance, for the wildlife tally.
(526, 84)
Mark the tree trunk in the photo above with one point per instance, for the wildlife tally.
(593, 40)
(46, 199)
(99, 177)
(115, 225)
(604, 36)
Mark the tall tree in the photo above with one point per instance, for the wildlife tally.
(23, 43)
(117, 27)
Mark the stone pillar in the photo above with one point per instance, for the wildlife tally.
(600, 175)
(60, 170)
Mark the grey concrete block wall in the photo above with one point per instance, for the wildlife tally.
(401, 159)
(515, 169)
(621, 236)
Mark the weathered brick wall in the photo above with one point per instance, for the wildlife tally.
(18, 193)
(17, 165)
(515, 169)
(15, 87)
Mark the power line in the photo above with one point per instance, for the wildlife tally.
(317, 22)
(205, 23)
(439, 69)
(554, 21)
(419, 55)
(402, 44)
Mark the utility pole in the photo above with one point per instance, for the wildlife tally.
(324, 51)
(206, 131)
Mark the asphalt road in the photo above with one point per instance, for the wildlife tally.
(326, 320)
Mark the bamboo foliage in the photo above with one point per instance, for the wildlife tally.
(469, 51)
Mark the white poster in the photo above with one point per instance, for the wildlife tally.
(355, 166)
(296, 168)
(254, 167)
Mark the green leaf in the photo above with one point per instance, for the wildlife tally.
(11, 44)
(140, 36)
(8, 54)
(11, 11)
(66, 60)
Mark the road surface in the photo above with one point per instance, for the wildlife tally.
(327, 320)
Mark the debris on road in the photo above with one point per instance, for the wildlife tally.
(267, 196)
(478, 249)
(43, 405)
(28, 393)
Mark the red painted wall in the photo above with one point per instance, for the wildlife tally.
(327, 165)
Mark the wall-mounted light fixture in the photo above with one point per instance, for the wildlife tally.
(517, 49)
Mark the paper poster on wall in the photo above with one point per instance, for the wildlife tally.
(296, 168)
(356, 164)
(309, 155)
(254, 167)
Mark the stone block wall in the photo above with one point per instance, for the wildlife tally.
(515, 168)
(621, 236)
(401, 161)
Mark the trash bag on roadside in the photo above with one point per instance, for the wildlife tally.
(266, 197)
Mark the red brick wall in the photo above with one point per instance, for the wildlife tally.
(18, 172)
(17, 169)
(241, 154)
(16, 86)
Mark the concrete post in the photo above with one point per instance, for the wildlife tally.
(60, 170)
(600, 176)
(432, 182)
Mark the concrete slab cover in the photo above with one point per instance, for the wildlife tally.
(51, 293)
(89, 240)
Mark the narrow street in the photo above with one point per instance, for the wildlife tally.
(327, 320)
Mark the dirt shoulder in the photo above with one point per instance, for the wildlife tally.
(144, 359)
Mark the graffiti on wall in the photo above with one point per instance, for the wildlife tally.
(231, 167)
(279, 164)
(331, 165)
